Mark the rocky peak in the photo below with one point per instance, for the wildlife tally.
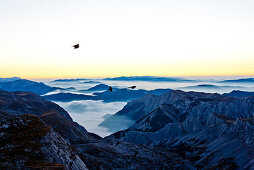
(28, 142)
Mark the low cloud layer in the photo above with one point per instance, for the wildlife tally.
(90, 113)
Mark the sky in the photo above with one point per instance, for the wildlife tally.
(126, 38)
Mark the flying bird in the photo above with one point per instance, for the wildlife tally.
(76, 46)
(110, 88)
(133, 87)
(135, 153)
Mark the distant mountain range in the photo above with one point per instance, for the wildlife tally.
(211, 87)
(149, 78)
(67, 80)
(91, 82)
(246, 80)
(17, 84)
(153, 78)
(208, 86)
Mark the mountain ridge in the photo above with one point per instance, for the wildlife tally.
(221, 125)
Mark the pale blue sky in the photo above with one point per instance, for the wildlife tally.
(126, 37)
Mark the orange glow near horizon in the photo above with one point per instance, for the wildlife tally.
(110, 71)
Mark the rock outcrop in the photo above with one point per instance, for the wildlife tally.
(206, 129)
(28, 142)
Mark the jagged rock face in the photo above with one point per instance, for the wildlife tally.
(221, 126)
(134, 110)
(56, 149)
(27, 142)
(215, 144)
(192, 109)
(137, 109)
(28, 103)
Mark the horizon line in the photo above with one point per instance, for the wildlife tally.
(79, 77)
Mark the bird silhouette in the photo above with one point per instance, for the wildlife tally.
(133, 87)
(76, 46)
(135, 153)
(110, 88)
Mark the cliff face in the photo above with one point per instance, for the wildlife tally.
(207, 129)
(28, 142)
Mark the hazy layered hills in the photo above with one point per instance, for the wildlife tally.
(244, 80)
(152, 79)
(17, 84)
(149, 78)
(132, 78)
(118, 94)
(26, 85)
(69, 80)
(9, 79)
(210, 86)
